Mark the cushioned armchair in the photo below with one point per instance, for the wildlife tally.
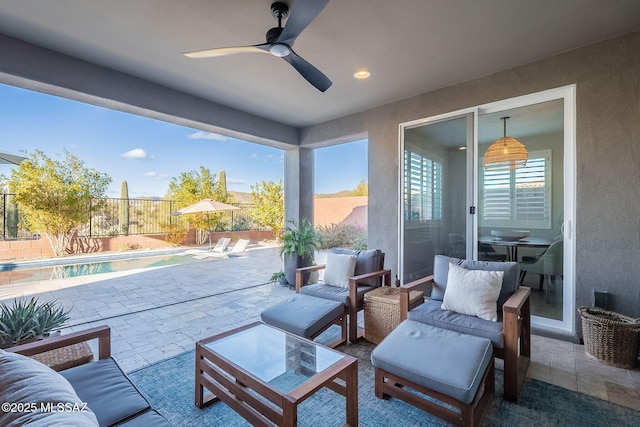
(347, 283)
(510, 333)
(99, 392)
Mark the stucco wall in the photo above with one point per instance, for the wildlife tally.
(607, 154)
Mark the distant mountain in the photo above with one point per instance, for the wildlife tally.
(241, 197)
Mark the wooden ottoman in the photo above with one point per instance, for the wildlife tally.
(307, 316)
(453, 368)
(382, 311)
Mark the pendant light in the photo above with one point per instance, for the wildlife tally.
(505, 153)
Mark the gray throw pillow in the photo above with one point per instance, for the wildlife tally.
(34, 394)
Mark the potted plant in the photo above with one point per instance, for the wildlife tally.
(299, 243)
(279, 277)
(29, 321)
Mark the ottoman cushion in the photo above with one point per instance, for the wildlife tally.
(441, 360)
(303, 315)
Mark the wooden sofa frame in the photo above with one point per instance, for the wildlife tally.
(101, 333)
(516, 322)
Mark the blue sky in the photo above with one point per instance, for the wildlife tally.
(147, 153)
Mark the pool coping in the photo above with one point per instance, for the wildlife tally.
(115, 256)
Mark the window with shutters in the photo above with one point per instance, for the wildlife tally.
(518, 198)
(422, 187)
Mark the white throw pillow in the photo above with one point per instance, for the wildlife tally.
(473, 292)
(340, 268)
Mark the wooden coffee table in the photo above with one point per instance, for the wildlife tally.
(263, 373)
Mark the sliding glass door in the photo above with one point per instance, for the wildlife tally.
(435, 196)
(459, 201)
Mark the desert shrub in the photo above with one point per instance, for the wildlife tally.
(342, 236)
(174, 233)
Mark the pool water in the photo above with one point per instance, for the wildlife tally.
(33, 274)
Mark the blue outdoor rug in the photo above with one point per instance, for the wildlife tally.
(169, 386)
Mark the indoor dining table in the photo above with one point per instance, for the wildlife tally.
(512, 246)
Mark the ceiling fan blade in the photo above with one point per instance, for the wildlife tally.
(308, 71)
(301, 14)
(223, 51)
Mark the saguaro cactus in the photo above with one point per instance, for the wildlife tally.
(124, 208)
(222, 181)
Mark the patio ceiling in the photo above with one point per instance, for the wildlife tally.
(410, 46)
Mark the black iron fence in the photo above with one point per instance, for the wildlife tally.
(110, 217)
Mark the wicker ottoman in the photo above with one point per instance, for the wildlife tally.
(382, 311)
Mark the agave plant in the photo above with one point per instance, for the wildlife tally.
(24, 321)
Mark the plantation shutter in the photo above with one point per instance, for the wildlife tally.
(518, 198)
(423, 187)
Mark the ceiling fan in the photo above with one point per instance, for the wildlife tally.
(280, 40)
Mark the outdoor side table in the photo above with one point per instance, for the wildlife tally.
(382, 311)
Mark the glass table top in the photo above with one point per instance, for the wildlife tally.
(282, 360)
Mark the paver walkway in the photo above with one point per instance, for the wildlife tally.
(160, 312)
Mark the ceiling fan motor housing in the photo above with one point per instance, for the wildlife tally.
(279, 10)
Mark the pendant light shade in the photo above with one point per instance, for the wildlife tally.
(505, 153)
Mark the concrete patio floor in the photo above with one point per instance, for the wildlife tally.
(160, 312)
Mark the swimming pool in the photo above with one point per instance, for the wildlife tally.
(85, 266)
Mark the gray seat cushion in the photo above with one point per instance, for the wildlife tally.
(149, 418)
(444, 361)
(107, 391)
(303, 315)
(431, 314)
(335, 293)
(441, 273)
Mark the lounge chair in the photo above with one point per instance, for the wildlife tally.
(218, 250)
(239, 248)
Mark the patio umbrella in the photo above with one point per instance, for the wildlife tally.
(10, 159)
(206, 206)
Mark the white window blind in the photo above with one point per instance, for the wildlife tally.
(422, 187)
(520, 197)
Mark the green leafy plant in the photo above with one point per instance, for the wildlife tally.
(277, 276)
(301, 240)
(342, 236)
(25, 321)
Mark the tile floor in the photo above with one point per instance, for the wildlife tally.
(161, 312)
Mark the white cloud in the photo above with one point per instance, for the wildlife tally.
(137, 153)
(207, 135)
(254, 156)
(236, 181)
(153, 174)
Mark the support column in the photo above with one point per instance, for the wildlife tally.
(298, 184)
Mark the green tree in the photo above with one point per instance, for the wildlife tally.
(55, 196)
(268, 205)
(362, 189)
(193, 186)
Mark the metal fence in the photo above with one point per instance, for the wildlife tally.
(110, 217)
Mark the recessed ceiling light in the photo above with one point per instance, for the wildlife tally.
(362, 74)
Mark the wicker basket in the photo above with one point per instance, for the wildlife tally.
(67, 357)
(610, 337)
(382, 311)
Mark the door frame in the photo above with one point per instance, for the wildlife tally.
(568, 94)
